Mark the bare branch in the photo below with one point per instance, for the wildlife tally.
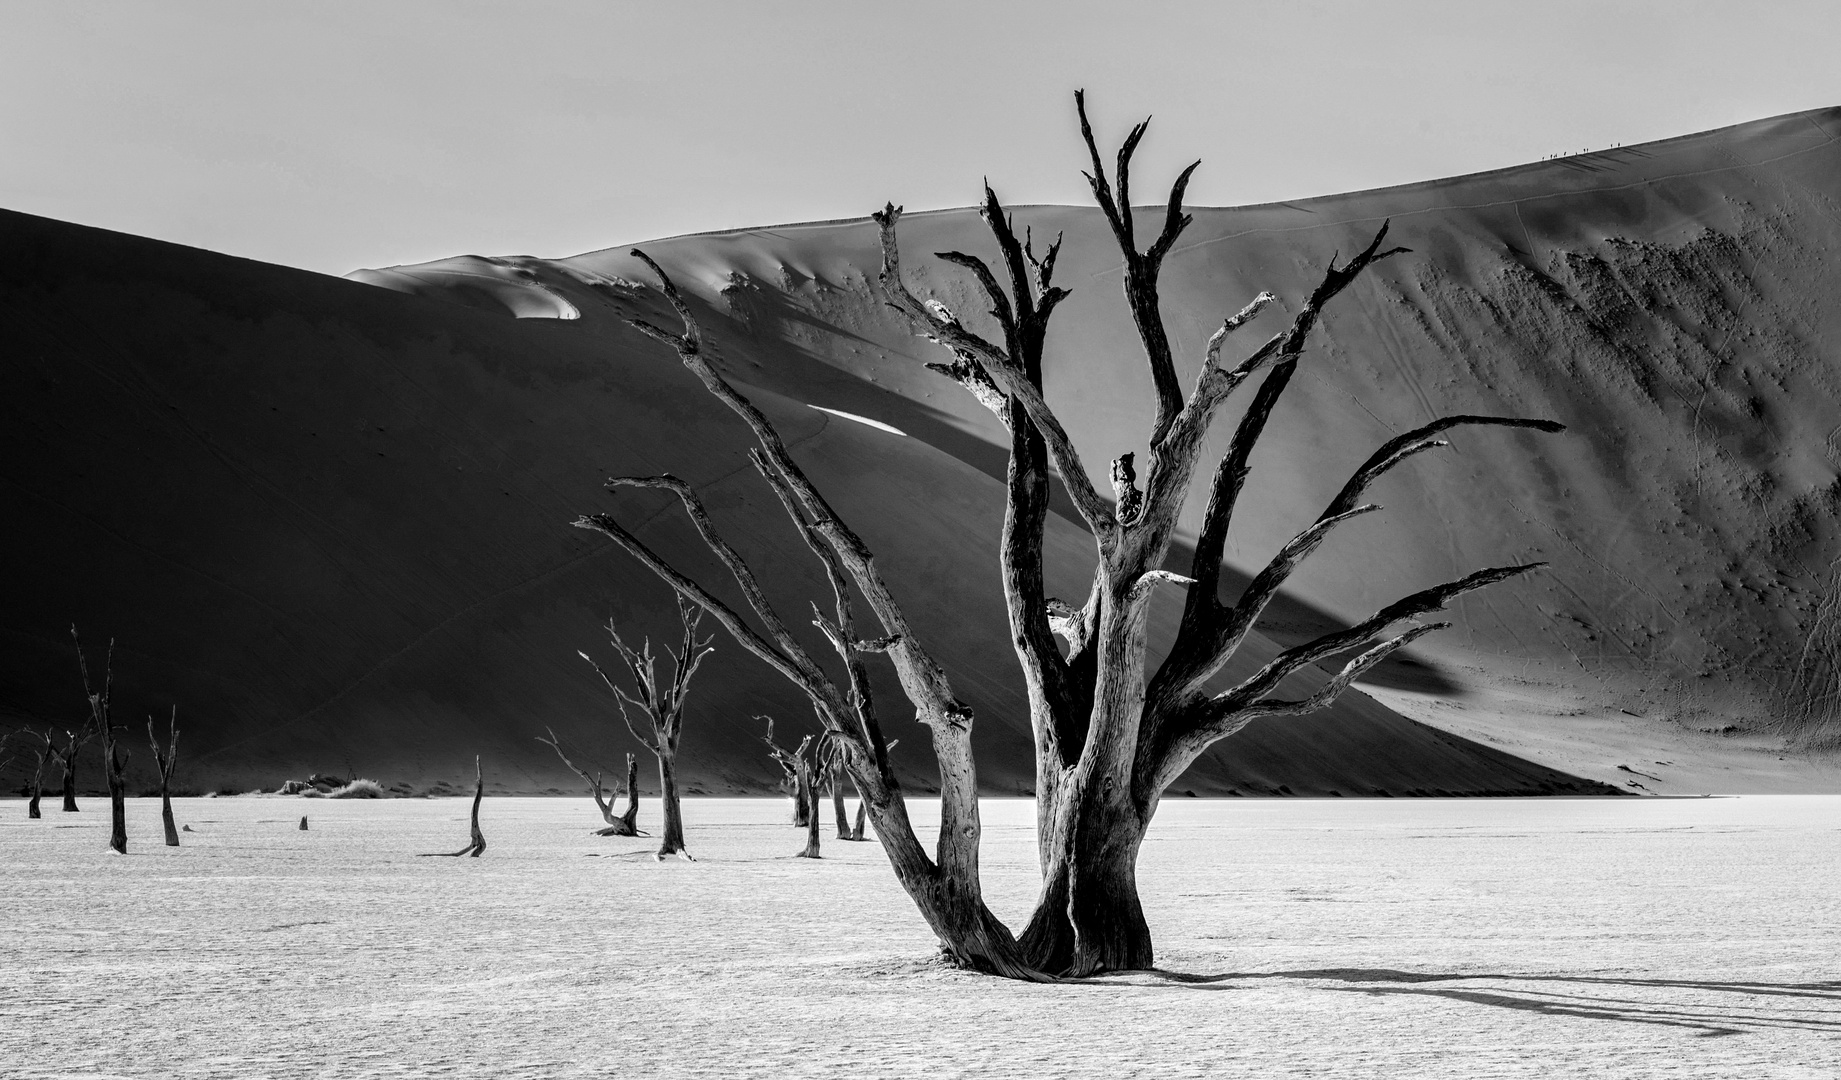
(787, 646)
(1007, 375)
(787, 666)
(1420, 603)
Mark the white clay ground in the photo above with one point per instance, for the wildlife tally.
(1388, 938)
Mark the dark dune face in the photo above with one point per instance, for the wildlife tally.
(331, 520)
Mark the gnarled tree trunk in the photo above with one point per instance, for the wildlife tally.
(1112, 728)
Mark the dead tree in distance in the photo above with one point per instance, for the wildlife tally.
(663, 706)
(478, 846)
(43, 749)
(164, 761)
(111, 747)
(835, 774)
(791, 763)
(67, 759)
(625, 824)
(1111, 730)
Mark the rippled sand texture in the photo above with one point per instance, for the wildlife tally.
(1652, 938)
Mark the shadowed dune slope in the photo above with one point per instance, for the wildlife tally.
(331, 519)
(331, 522)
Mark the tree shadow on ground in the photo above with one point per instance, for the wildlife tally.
(1750, 1006)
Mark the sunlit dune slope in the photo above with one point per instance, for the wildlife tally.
(1673, 303)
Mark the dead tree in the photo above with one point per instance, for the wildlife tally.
(625, 824)
(797, 777)
(43, 751)
(67, 759)
(836, 775)
(815, 760)
(663, 706)
(111, 747)
(1112, 729)
(164, 760)
(478, 846)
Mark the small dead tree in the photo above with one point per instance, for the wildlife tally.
(797, 779)
(43, 750)
(478, 846)
(1113, 726)
(111, 748)
(835, 775)
(662, 704)
(67, 759)
(164, 761)
(815, 759)
(625, 824)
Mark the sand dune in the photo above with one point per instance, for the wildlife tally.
(331, 519)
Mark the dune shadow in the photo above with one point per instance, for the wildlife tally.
(1739, 1008)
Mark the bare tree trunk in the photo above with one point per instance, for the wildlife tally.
(111, 750)
(478, 846)
(672, 842)
(802, 799)
(37, 786)
(1088, 917)
(166, 818)
(118, 796)
(479, 792)
(835, 778)
(164, 761)
(630, 819)
(812, 819)
(70, 778)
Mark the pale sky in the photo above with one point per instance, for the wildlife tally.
(336, 135)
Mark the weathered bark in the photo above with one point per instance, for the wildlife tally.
(1110, 733)
(164, 761)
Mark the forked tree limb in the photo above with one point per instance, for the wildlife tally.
(942, 327)
(164, 762)
(1420, 603)
(1141, 268)
(1220, 721)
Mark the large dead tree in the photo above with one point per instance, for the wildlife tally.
(165, 759)
(661, 703)
(623, 824)
(111, 747)
(1113, 726)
